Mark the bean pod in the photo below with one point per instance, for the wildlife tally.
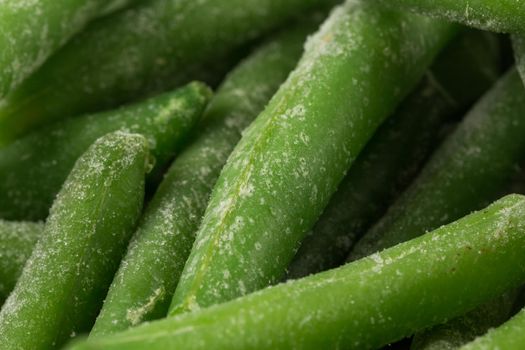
(398, 149)
(355, 70)
(363, 305)
(31, 31)
(146, 280)
(154, 46)
(66, 278)
(33, 168)
(469, 169)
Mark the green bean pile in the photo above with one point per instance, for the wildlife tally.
(270, 174)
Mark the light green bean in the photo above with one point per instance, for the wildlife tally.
(395, 154)
(355, 70)
(363, 305)
(66, 278)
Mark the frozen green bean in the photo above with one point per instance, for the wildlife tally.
(153, 46)
(146, 280)
(468, 170)
(459, 331)
(507, 16)
(395, 154)
(354, 72)
(30, 31)
(363, 305)
(17, 240)
(33, 168)
(66, 278)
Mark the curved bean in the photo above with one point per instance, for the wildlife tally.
(64, 281)
(146, 280)
(17, 240)
(398, 149)
(280, 176)
(469, 169)
(507, 16)
(31, 31)
(33, 168)
(362, 305)
(153, 46)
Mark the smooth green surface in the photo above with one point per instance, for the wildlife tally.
(470, 169)
(17, 240)
(362, 305)
(395, 154)
(461, 330)
(66, 278)
(33, 168)
(507, 16)
(149, 273)
(154, 46)
(30, 31)
(355, 70)
(509, 336)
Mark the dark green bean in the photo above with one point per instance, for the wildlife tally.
(469, 169)
(33, 168)
(154, 46)
(30, 31)
(506, 16)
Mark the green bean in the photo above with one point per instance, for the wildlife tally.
(33, 168)
(154, 46)
(362, 305)
(146, 280)
(17, 240)
(280, 176)
(510, 335)
(398, 149)
(454, 334)
(469, 169)
(30, 31)
(65, 279)
(507, 16)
